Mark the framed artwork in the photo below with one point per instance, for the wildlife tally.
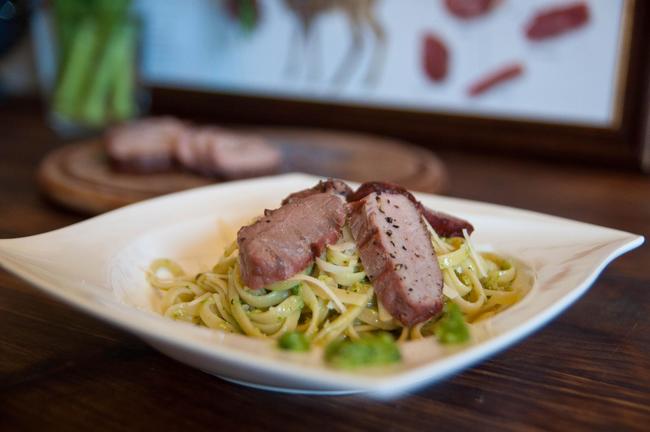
(557, 78)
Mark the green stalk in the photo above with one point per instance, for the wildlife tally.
(247, 15)
(68, 14)
(76, 69)
(110, 62)
(96, 65)
(123, 96)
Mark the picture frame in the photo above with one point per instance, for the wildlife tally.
(623, 142)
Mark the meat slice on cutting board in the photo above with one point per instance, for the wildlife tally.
(146, 145)
(285, 241)
(227, 154)
(397, 254)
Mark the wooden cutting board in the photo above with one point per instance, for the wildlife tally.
(79, 176)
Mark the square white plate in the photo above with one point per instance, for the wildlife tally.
(99, 265)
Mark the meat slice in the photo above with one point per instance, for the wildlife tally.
(444, 224)
(331, 186)
(396, 252)
(222, 153)
(435, 57)
(467, 9)
(286, 240)
(556, 21)
(380, 187)
(145, 145)
(495, 78)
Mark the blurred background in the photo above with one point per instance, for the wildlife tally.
(423, 56)
(550, 79)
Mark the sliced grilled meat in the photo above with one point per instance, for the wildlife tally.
(331, 186)
(146, 145)
(286, 240)
(227, 154)
(397, 255)
(444, 224)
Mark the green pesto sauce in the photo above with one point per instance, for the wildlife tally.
(371, 350)
(451, 328)
(294, 341)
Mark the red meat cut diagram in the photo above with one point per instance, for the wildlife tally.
(545, 24)
(467, 9)
(435, 57)
(495, 78)
(556, 21)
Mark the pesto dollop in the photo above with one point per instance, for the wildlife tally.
(371, 350)
(294, 341)
(451, 328)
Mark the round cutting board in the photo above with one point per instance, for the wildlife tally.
(80, 177)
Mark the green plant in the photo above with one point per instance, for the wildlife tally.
(97, 50)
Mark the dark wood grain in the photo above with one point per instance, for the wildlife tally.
(588, 370)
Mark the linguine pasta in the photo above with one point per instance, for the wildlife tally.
(332, 298)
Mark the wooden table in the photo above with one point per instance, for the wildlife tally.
(589, 369)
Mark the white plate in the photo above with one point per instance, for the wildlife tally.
(98, 266)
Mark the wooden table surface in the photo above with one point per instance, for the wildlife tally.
(588, 370)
